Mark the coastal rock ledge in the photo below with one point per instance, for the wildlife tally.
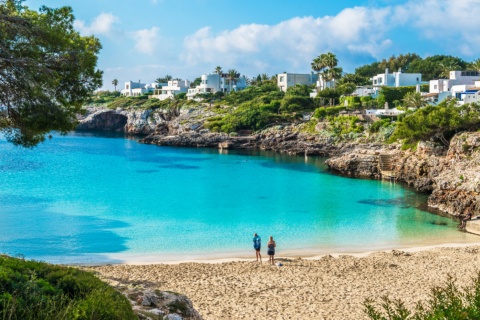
(451, 175)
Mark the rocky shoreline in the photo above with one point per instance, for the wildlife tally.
(450, 175)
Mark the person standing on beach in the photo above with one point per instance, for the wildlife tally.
(271, 250)
(257, 244)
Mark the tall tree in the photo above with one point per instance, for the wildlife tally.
(475, 65)
(232, 77)
(115, 83)
(414, 100)
(218, 70)
(447, 66)
(326, 67)
(47, 71)
(318, 64)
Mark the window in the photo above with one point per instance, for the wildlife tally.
(435, 87)
(282, 78)
(127, 86)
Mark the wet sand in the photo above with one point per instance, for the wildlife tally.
(320, 288)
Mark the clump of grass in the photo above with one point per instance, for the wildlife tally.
(37, 290)
(447, 302)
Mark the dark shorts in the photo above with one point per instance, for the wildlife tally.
(257, 249)
(271, 252)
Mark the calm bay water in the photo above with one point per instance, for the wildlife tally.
(97, 199)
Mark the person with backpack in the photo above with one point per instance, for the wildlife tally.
(257, 244)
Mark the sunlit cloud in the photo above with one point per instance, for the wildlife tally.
(146, 40)
(103, 24)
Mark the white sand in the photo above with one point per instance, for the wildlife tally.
(325, 288)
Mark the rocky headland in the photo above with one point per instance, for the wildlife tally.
(450, 174)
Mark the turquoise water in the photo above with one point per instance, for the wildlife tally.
(96, 199)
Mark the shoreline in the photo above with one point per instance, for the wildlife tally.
(326, 287)
(144, 260)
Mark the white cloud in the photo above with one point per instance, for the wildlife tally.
(296, 41)
(146, 40)
(102, 25)
(455, 23)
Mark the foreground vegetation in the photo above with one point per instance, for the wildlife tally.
(36, 290)
(447, 302)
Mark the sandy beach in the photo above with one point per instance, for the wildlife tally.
(321, 288)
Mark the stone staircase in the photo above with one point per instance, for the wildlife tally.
(385, 166)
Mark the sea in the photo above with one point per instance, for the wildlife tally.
(87, 198)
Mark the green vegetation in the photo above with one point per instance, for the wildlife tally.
(437, 123)
(36, 290)
(345, 125)
(102, 97)
(322, 113)
(48, 71)
(447, 302)
(255, 108)
(432, 67)
(392, 94)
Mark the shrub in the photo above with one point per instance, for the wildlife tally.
(439, 123)
(36, 290)
(321, 113)
(447, 302)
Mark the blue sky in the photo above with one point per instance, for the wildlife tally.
(147, 39)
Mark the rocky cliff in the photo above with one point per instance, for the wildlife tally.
(451, 175)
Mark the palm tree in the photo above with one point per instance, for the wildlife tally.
(414, 100)
(318, 64)
(330, 61)
(475, 65)
(115, 83)
(447, 67)
(232, 77)
(218, 70)
(326, 67)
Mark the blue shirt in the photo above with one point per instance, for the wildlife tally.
(257, 242)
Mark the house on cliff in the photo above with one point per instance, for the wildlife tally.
(212, 83)
(172, 88)
(286, 80)
(135, 89)
(461, 85)
(395, 79)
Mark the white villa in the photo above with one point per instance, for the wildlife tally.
(135, 89)
(211, 83)
(287, 80)
(461, 85)
(395, 79)
(172, 88)
(363, 91)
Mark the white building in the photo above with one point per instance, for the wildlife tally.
(455, 78)
(395, 79)
(172, 88)
(212, 83)
(363, 91)
(456, 86)
(135, 89)
(466, 93)
(287, 80)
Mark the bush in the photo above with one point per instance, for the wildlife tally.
(438, 123)
(296, 103)
(448, 302)
(36, 290)
(321, 113)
